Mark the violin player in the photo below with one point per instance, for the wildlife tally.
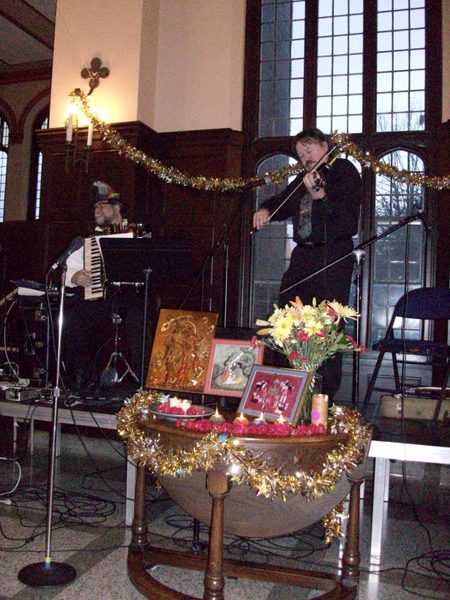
(324, 204)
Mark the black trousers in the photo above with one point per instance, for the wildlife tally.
(88, 325)
(332, 284)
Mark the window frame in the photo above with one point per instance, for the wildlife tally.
(378, 143)
(34, 163)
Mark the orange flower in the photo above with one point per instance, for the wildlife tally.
(297, 303)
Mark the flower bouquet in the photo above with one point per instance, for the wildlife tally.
(309, 334)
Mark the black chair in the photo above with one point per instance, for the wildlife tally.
(425, 304)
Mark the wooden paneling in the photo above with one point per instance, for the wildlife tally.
(171, 210)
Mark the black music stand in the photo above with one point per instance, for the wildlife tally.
(131, 261)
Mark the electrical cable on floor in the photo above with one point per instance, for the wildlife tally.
(241, 546)
(16, 463)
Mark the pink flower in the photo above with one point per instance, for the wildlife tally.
(293, 355)
(303, 360)
(302, 336)
(254, 342)
(320, 334)
(239, 428)
(204, 425)
(355, 344)
(280, 429)
(351, 340)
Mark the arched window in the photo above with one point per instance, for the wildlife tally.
(4, 143)
(34, 203)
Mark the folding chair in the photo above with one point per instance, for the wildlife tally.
(425, 304)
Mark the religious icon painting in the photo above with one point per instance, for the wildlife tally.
(230, 364)
(180, 351)
(275, 391)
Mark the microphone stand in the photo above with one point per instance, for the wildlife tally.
(358, 253)
(359, 257)
(49, 572)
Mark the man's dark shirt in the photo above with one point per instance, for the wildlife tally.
(333, 218)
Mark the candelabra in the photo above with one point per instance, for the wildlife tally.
(74, 153)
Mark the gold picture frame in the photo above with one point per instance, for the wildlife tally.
(181, 349)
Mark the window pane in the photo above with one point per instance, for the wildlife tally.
(403, 23)
(4, 143)
(340, 28)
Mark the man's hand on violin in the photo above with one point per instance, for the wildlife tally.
(82, 278)
(314, 184)
(260, 218)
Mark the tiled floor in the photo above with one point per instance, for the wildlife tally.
(90, 535)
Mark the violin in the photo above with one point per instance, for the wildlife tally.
(321, 170)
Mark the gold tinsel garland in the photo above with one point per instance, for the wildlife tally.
(173, 175)
(146, 450)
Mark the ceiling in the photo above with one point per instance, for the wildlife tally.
(27, 29)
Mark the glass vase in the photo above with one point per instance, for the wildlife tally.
(315, 387)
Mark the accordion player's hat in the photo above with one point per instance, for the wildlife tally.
(105, 193)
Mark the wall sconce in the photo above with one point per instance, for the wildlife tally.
(74, 154)
(94, 74)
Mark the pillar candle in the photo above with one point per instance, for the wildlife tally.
(69, 128)
(319, 409)
(90, 134)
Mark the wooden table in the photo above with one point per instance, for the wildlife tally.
(207, 495)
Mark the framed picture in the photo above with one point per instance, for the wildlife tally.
(275, 391)
(230, 365)
(181, 349)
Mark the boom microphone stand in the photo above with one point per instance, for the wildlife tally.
(49, 572)
(358, 252)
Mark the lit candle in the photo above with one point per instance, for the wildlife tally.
(174, 401)
(185, 405)
(241, 419)
(217, 417)
(90, 134)
(260, 420)
(69, 128)
(319, 409)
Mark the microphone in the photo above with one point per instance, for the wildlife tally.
(74, 245)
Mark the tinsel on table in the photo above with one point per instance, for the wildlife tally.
(146, 449)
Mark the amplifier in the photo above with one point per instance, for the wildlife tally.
(413, 408)
(21, 394)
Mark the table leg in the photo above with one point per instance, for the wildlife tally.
(130, 487)
(351, 557)
(139, 526)
(380, 493)
(219, 487)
